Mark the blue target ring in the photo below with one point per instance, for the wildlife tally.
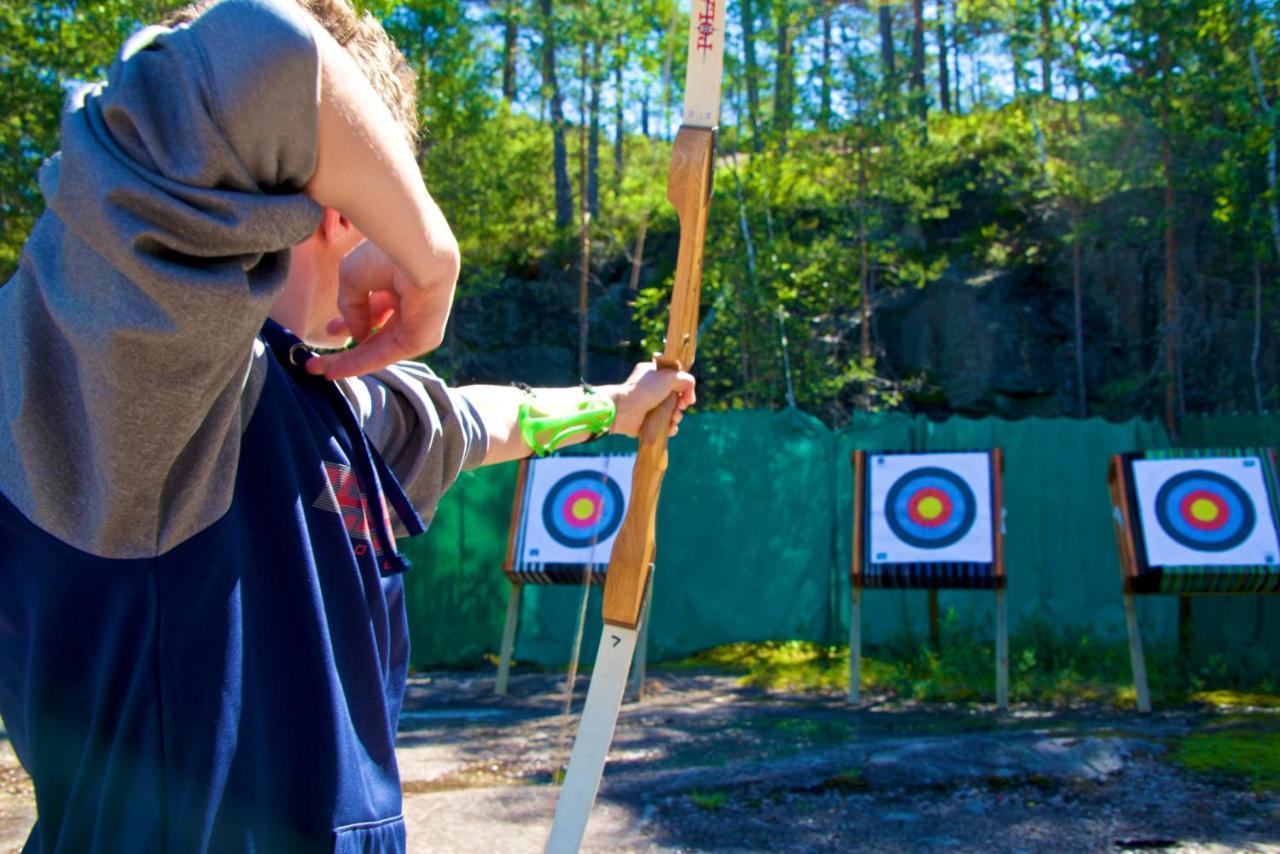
(583, 508)
(1205, 511)
(930, 508)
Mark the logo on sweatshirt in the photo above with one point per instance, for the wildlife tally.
(342, 495)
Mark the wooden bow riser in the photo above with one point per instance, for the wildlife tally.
(689, 191)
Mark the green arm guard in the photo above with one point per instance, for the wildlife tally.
(544, 431)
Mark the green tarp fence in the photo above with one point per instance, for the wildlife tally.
(754, 534)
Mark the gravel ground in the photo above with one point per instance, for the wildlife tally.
(705, 765)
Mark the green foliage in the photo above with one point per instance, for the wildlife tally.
(833, 195)
(1244, 747)
(1049, 665)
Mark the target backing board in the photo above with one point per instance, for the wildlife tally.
(930, 508)
(573, 509)
(1211, 511)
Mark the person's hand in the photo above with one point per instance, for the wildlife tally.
(374, 293)
(645, 390)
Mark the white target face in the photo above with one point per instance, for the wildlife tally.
(930, 508)
(573, 509)
(1205, 512)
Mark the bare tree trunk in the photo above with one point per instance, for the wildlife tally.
(749, 244)
(551, 94)
(1082, 393)
(509, 46)
(944, 82)
(584, 260)
(593, 148)
(824, 100)
(887, 61)
(637, 259)
(1015, 55)
(919, 100)
(1170, 293)
(784, 75)
(750, 70)
(864, 266)
(1271, 153)
(1046, 47)
(1170, 252)
(619, 163)
(1257, 332)
(1077, 57)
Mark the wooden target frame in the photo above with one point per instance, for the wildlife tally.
(555, 574)
(933, 576)
(1141, 577)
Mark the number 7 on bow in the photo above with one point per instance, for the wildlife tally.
(631, 563)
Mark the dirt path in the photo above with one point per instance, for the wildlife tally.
(703, 765)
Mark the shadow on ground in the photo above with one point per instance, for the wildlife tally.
(704, 764)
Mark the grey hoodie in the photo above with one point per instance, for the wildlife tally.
(129, 363)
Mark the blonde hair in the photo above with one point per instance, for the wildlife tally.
(364, 39)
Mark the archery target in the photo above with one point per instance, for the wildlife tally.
(574, 508)
(931, 508)
(1205, 512)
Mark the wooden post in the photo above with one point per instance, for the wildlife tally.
(509, 569)
(1002, 618)
(1135, 655)
(935, 635)
(639, 664)
(1002, 652)
(855, 647)
(1185, 631)
(508, 640)
(859, 460)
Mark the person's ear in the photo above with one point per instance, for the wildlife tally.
(334, 227)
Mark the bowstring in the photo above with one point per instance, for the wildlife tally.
(561, 756)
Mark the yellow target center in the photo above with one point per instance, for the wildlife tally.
(1204, 510)
(583, 508)
(929, 508)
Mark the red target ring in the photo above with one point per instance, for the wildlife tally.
(930, 507)
(1204, 510)
(582, 508)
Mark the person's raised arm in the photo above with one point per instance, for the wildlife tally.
(365, 169)
(645, 389)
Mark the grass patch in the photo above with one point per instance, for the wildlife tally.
(1240, 748)
(709, 800)
(1048, 665)
(1237, 699)
(786, 666)
(847, 782)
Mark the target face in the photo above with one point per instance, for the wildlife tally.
(583, 508)
(573, 508)
(930, 507)
(1205, 512)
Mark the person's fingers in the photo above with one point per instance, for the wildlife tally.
(354, 307)
(382, 304)
(379, 350)
(687, 387)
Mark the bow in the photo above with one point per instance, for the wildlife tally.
(631, 562)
